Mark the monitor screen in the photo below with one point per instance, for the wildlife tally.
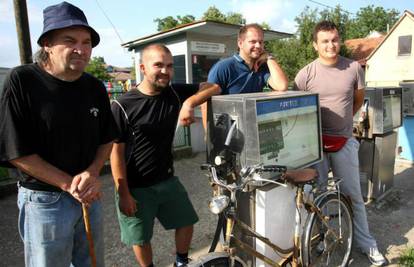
(289, 131)
(391, 111)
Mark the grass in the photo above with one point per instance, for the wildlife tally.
(407, 258)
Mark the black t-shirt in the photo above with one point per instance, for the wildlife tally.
(62, 122)
(153, 120)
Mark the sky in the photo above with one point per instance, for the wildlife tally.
(132, 19)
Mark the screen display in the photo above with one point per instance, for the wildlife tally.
(391, 111)
(289, 131)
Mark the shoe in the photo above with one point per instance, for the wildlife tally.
(376, 257)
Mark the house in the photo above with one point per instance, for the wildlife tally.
(195, 47)
(119, 74)
(361, 48)
(393, 60)
(392, 64)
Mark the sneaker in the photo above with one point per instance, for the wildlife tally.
(376, 257)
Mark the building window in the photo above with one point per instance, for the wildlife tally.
(404, 45)
(201, 65)
(179, 69)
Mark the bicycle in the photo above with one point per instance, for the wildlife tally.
(327, 234)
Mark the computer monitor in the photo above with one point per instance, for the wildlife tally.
(289, 131)
(276, 128)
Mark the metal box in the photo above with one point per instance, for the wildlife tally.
(271, 128)
(282, 128)
(380, 113)
(407, 98)
(376, 164)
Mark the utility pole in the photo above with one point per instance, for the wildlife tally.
(23, 33)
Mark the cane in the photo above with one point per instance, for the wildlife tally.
(89, 234)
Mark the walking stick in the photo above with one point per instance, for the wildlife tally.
(89, 234)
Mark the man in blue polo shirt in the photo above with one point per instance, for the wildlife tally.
(246, 72)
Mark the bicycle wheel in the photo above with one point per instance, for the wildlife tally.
(328, 244)
(216, 259)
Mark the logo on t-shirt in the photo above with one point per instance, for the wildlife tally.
(94, 111)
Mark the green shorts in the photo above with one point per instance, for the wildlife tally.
(167, 201)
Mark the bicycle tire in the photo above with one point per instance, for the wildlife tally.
(216, 259)
(320, 247)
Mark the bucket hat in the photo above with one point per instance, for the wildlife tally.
(65, 15)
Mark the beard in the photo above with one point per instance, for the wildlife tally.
(158, 86)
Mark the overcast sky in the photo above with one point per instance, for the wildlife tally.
(133, 19)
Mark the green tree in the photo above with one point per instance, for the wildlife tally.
(185, 19)
(96, 67)
(235, 18)
(213, 13)
(170, 22)
(166, 23)
(370, 19)
(265, 26)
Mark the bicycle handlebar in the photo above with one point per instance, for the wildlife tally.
(245, 173)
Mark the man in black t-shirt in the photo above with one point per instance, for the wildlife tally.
(141, 159)
(57, 128)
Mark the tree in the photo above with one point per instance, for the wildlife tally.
(185, 19)
(370, 19)
(235, 18)
(96, 67)
(213, 13)
(170, 22)
(166, 23)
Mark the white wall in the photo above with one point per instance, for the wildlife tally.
(176, 48)
(385, 67)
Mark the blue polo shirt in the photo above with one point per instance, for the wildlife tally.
(234, 76)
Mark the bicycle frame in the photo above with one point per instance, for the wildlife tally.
(290, 255)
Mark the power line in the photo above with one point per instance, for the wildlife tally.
(327, 6)
(113, 26)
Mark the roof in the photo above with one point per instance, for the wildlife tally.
(406, 13)
(361, 48)
(220, 29)
(120, 76)
(118, 69)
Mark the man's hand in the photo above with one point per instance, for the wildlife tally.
(86, 188)
(260, 61)
(127, 204)
(186, 116)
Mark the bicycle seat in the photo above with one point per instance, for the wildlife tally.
(301, 176)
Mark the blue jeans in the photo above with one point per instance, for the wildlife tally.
(345, 165)
(52, 229)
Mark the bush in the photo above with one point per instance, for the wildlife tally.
(407, 258)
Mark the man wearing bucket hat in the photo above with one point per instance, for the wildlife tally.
(57, 128)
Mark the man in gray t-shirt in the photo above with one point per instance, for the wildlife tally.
(340, 84)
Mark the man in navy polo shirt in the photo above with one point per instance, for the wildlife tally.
(246, 72)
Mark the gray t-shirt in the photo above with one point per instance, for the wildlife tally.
(335, 86)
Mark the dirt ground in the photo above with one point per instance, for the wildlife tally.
(391, 221)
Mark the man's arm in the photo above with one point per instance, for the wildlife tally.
(42, 170)
(127, 203)
(206, 90)
(359, 95)
(37, 167)
(277, 80)
(86, 182)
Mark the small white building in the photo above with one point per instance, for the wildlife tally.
(392, 64)
(195, 48)
(393, 60)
